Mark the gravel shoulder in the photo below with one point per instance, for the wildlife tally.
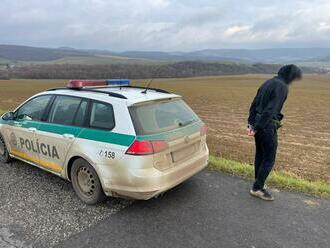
(38, 209)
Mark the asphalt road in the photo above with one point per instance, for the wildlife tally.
(38, 209)
(209, 210)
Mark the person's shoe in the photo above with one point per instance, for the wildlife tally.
(265, 186)
(262, 194)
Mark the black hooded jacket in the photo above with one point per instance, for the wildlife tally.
(269, 101)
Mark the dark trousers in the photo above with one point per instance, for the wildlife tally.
(266, 147)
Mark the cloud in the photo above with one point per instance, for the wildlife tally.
(324, 26)
(236, 30)
(165, 24)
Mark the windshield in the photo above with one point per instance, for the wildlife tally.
(158, 117)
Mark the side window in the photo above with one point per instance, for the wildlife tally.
(34, 108)
(64, 109)
(81, 114)
(102, 116)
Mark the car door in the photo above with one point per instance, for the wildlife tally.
(56, 135)
(21, 132)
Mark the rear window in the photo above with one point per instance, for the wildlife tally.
(161, 116)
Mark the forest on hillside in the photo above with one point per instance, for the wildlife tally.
(138, 71)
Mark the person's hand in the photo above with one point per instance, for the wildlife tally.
(250, 132)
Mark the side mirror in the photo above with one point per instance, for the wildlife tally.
(24, 117)
(9, 116)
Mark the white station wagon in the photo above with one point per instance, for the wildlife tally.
(108, 138)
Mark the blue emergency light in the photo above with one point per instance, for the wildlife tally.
(121, 82)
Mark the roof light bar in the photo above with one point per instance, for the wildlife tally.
(118, 82)
(78, 84)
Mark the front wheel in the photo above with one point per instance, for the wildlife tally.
(86, 182)
(4, 154)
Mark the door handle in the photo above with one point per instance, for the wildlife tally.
(68, 136)
(32, 129)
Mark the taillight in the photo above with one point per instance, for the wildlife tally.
(203, 130)
(147, 147)
(159, 146)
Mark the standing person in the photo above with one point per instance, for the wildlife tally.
(264, 120)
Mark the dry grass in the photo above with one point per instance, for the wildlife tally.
(279, 179)
(223, 103)
(13, 92)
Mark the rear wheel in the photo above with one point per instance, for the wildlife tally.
(86, 183)
(4, 154)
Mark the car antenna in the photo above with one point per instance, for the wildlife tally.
(148, 86)
(150, 81)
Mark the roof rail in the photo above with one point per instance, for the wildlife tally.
(141, 87)
(97, 90)
(112, 94)
(60, 88)
(136, 87)
(104, 92)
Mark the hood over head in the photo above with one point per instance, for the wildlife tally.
(289, 73)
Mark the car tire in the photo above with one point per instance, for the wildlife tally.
(4, 154)
(86, 182)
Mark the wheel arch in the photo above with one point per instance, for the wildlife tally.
(71, 161)
(69, 166)
(2, 135)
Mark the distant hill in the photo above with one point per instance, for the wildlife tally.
(25, 53)
(35, 55)
(22, 55)
(323, 62)
(275, 55)
(325, 59)
(140, 71)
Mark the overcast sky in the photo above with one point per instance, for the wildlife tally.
(167, 25)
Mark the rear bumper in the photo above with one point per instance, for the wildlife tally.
(144, 184)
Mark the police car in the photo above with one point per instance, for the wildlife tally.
(108, 138)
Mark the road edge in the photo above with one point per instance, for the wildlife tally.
(278, 179)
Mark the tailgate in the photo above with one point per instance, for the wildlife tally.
(171, 122)
(183, 144)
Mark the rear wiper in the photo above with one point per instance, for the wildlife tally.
(182, 124)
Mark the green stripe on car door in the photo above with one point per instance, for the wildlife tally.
(79, 132)
(59, 129)
(89, 134)
(108, 137)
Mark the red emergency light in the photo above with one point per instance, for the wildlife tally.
(78, 84)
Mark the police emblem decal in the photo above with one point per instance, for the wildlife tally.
(13, 140)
